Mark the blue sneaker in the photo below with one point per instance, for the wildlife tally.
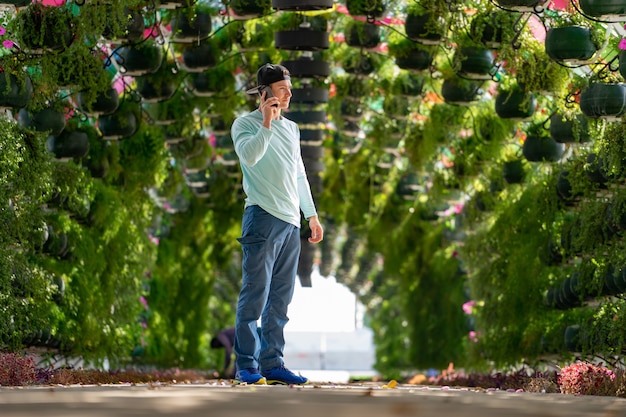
(282, 375)
(250, 376)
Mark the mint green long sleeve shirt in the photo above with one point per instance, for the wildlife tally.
(274, 177)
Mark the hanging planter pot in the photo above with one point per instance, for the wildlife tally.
(603, 101)
(188, 28)
(487, 28)
(307, 67)
(359, 64)
(426, 28)
(418, 60)
(622, 63)
(69, 145)
(368, 8)
(569, 130)
(620, 279)
(595, 169)
(15, 92)
(16, 3)
(211, 82)
(174, 4)
(309, 95)
(351, 109)
(513, 171)
(247, 9)
(523, 5)
(603, 10)
(515, 104)
(302, 40)
(362, 34)
(127, 26)
(199, 58)
(301, 5)
(105, 103)
(46, 120)
(44, 28)
(460, 91)
(542, 148)
(174, 133)
(570, 44)
(139, 59)
(564, 189)
(307, 117)
(153, 92)
(123, 123)
(474, 63)
(311, 137)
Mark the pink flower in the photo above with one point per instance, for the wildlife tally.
(8, 44)
(143, 301)
(622, 44)
(468, 306)
(2, 30)
(473, 336)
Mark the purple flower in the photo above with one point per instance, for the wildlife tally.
(8, 44)
(622, 44)
(2, 30)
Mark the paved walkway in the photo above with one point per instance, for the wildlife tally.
(324, 400)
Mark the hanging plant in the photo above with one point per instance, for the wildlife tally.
(426, 22)
(247, 9)
(105, 102)
(251, 35)
(192, 25)
(368, 8)
(122, 123)
(161, 84)
(512, 102)
(50, 119)
(409, 54)
(44, 28)
(540, 147)
(361, 34)
(139, 59)
(16, 89)
(572, 39)
(569, 127)
(493, 27)
(603, 101)
(535, 72)
(123, 24)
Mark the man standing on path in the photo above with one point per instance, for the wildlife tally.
(277, 191)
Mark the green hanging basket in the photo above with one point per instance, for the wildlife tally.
(513, 171)
(105, 103)
(189, 29)
(542, 148)
(461, 91)
(425, 28)
(515, 104)
(69, 145)
(604, 10)
(603, 101)
(15, 92)
(474, 63)
(46, 120)
(569, 130)
(571, 44)
(139, 59)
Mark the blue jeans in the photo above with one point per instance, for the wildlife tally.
(271, 248)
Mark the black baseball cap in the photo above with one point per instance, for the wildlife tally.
(268, 74)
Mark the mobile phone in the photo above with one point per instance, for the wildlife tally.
(268, 91)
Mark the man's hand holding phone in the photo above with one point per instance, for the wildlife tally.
(268, 94)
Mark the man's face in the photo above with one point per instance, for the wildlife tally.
(282, 91)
